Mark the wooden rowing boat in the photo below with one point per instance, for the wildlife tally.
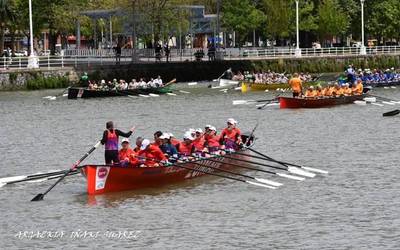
(105, 179)
(295, 103)
(74, 93)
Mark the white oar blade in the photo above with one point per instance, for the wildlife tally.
(273, 104)
(14, 178)
(298, 171)
(154, 95)
(268, 182)
(64, 95)
(239, 102)
(223, 90)
(388, 103)
(144, 95)
(184, 92)
(47, 97)
(316, 170)
(53, 98)
(260, 185)
(171, 94)
(361, 103)
(377, 104)
(192, 83)
(2, 184)
(370, 99)
(297, 178)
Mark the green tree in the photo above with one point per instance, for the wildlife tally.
(384, 21)
(7, 15)
(241, 16)
(332, 20)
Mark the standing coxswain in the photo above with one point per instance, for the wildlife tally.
(110, 141)
(297, 85)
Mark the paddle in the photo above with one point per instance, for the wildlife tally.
(242, 102)
(222, 176)
(74, 167)
(28, 177)
(385, 99)
(392, 113)
(36, 179)
(287, 168)
(273, 184)
(260, 170)
(170, 82)
(290, 164)
(266, 104)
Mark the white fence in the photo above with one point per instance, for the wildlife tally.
(107, 56)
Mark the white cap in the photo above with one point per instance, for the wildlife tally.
(191, 130)
(103, 81)
(165, 136)
(145, 143)
(125, 140)
(213, 128)
(171, 135)
(231, 121)
(188, 135)
(199, 130)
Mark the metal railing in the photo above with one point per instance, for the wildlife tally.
(89, 57)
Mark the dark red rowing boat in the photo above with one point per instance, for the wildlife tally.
(296, 103)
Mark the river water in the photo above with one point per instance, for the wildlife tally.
(356, 206)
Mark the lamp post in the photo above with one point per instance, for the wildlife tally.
(298, 50)
(363, 49)
(32, 60)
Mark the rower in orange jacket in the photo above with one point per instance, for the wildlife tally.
(359, 88)
(152, 154)
(127, 156)
(231, 135)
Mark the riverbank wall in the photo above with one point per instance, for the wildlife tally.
(206, 71)
(32, 79)
(23, 79)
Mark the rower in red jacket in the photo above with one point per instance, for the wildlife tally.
(110, 140)
(186, 148)
(199, 141)
(127, 156)
(152, 154)
(231, 135)
(212, 139)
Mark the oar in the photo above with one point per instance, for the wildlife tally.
(170, 82)
(260, 170)
(385, 99)
(241, 102)
(265, 105)
(316, 170)
(293, 170)
(74, 167)
(37, 178)
(392, 113)
(23, 177)
(184, 92)
(222, 176)
(267, 182)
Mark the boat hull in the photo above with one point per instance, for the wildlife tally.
(295, 103)
(105, 179)
(74, 93)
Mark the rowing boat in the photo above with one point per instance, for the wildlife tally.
(382, 84)
(102, 179)
(74, 93)
(295, 103)
(246, 86)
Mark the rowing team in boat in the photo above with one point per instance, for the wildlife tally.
(166, 148)
(331, 90)
(123, 85)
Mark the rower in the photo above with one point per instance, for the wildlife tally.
(138, 143)
(110, 140)
(127, 156)
(231, 135)
(212, 140)
(198, 141)
(157, 140)
(338, 90)
(173, 140)
(327, 90)
(186, 148)
(296, 85)
(310, 92)
(152, 154)
(318, 92)
(166, 147)
(359, 88)
(346, 90)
